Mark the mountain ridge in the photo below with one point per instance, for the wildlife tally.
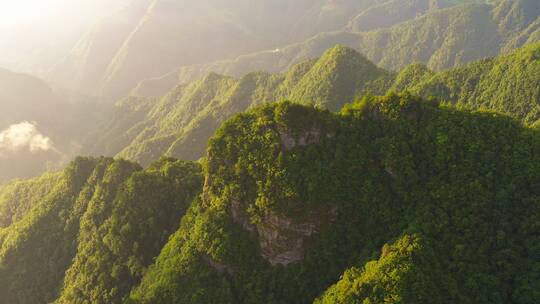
(292, 204)
(175, 33)
(273, 223)
(180, 123)
(448, 37)
(97, 207)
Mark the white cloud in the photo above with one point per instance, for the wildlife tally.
(24, 136)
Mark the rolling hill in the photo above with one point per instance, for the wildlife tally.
(508, 84)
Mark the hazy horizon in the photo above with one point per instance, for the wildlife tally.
(36, 34)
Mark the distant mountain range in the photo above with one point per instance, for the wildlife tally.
(152, 45)
(149, 38)
(180, 123)
(440, 34)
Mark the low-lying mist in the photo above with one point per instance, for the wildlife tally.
(24, 136)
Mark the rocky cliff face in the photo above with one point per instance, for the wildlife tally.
(282, 238)
(289, 141)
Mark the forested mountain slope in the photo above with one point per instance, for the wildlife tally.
(392, 199)
(442, 38)
(389, 13)
(508, 84)
(180, 123)
(87, 234)
(444, 203)
(409, 175)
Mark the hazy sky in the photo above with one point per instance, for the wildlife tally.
(35, 34)
(24, 12)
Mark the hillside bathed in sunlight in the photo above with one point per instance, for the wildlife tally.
(270, 151)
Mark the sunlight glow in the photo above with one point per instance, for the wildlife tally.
(22, 11)
(15, 13)
(35, 33)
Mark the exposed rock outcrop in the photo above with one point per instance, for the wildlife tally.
(219, 267)
(281, 239)
(290, 141)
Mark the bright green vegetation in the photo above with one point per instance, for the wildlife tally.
(88, 234)
(508, 84)
(427, 204)
(443, 36)
(392, 199)
(180, 123)
(410, 76)
(339, 75)
(397, 277)
(18, 197)
(368, 186)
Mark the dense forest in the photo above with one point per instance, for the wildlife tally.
(279, 224)
(86, 235)
(392, 199)
(310, 151)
